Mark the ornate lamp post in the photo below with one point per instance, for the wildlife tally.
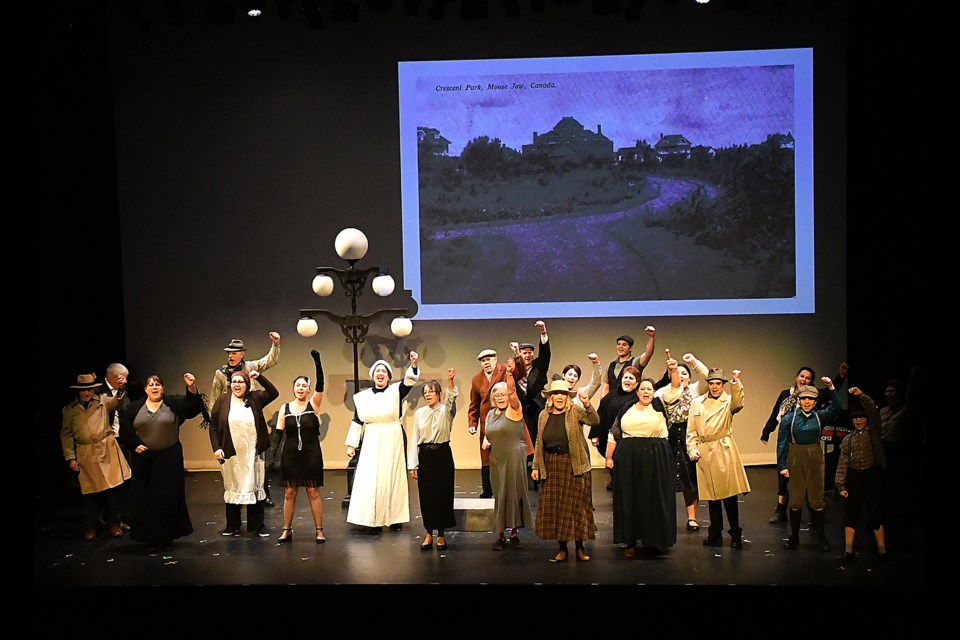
(351, 245)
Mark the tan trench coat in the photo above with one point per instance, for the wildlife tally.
(720, 472)
(87, 437)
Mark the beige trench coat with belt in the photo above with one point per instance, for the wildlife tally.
(87, 437)
(720, 472)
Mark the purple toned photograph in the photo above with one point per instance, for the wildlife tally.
(611, 185)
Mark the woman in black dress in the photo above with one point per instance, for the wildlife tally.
(677, 414)
(301, 460)
(638, 451)
(623, 394)
(150, 428)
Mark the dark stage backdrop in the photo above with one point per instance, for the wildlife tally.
(242, 150)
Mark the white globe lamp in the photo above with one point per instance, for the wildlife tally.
(351, 244)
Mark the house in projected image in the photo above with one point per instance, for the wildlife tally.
(569, 140)
(429, 140)
(640, 153)
(672, 146)
(782, 140)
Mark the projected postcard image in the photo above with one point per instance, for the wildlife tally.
(672, 184)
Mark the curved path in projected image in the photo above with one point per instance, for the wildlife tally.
(614, 254)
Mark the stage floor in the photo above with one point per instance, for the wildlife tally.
(62, 559)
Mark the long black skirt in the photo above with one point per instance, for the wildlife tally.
(435, 485)
(644, 502)
(158, 496)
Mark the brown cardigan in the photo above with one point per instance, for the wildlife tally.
(574, 416)
(219, 418)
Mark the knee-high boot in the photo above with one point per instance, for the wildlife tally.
(732, 507)
(794, 541)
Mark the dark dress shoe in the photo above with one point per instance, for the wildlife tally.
(792, 544)
(427, 545)
(515, 540)
(396, 527)
(500, 544)
(736, 542)
(286, 536)
(846, 559)
(230, 532)
(713, 540)
(263, 532)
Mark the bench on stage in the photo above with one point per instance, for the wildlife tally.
(474, 514)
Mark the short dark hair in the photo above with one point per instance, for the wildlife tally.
(574, 367)
(813, 374)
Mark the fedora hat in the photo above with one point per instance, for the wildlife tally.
(86, 381)
(716, 374)
(235, 345)
(558, 386)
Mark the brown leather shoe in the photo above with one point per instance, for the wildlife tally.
(560, 557)
(582, 556)
(630, 552)
(90, 535)
(124, 527)
(116, 531)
